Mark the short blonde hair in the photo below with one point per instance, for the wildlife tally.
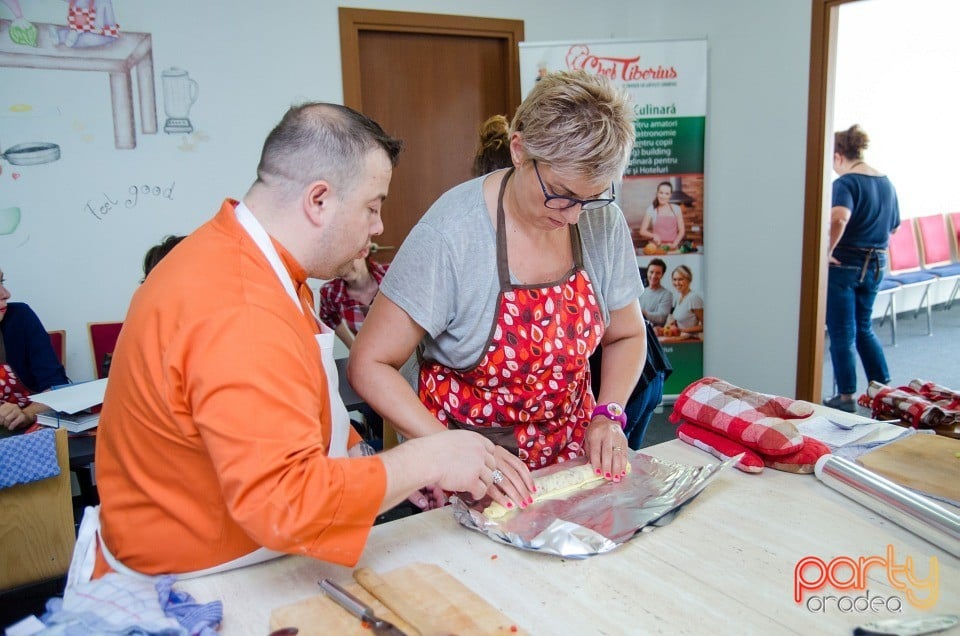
(577, 123)
(684, 272)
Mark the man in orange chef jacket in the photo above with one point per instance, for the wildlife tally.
(221, 441)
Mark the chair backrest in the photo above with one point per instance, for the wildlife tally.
(953, 220)
(103, 340)
(37, 526)
(58, 340)
(934, 241)
(904, 255)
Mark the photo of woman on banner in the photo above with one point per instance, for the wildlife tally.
(663, 222)
(665, 213)
(686, 321)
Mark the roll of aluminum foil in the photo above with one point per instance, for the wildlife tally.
(918, 514)
(596, 520)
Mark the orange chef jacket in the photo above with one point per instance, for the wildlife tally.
(215, 427)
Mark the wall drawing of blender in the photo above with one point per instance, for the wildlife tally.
(180, 92)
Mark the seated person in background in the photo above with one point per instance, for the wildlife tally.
(156, 253)
(220, 439)
(663, 222)
(656, 301)
(28, 363)
(150, 260)
(344, 303)
(688, 310)
(345, 300)
(493, 147)
(511, 286)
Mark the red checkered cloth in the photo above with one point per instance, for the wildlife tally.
(84, 19)
(944, 397)
(921, 405)
(759, 421)
(336, 304)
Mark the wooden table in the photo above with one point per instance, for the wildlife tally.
(724, 565)
(130, 51)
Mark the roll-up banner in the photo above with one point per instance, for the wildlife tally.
(662, 191)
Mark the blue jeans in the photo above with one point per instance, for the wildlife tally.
(640, 409)
(851, 290)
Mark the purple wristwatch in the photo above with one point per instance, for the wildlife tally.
(611, 410)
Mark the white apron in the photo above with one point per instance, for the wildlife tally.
(84, 554)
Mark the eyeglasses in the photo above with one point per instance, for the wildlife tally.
(557, 202)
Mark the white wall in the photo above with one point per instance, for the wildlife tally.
(253, 59)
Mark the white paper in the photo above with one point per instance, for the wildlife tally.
(75, 397)
(820, 428)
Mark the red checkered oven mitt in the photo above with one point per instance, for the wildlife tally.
(801, 461)
(719, 446)
(759, 421)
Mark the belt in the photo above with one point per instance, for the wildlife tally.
(867, 253)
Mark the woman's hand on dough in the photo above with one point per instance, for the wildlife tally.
(516, 488)
(606, 447)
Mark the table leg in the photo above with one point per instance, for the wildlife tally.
(147, 94)
(121, 97)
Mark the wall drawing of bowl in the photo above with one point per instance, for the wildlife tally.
(9, 220)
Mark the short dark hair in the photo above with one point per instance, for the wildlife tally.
(156, 253)
(659, 262)
(318, 140)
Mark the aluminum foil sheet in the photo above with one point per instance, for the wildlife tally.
(596, 520)
(913, 511)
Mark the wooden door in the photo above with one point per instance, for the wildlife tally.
(430, 80)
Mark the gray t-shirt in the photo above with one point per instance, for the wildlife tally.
(656, 305)
(445, 274)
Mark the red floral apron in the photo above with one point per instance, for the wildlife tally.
(531, 390)
(12, 389)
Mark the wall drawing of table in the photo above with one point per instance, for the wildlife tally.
(130, 51)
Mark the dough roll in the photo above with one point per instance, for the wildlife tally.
(556, 485)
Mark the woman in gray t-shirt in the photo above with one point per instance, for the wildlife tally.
(510, 281)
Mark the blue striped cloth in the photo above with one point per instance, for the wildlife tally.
(28, 458)
(118, 604)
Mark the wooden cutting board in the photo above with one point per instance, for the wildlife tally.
(450, 604)
(927, 463)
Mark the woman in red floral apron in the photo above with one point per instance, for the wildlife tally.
(530, 392)
(511, 281)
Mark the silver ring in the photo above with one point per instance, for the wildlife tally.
(497, 476)
(617, 449)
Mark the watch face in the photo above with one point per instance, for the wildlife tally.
(615, 409)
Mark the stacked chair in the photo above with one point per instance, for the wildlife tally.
(935, 250)
(906, 271)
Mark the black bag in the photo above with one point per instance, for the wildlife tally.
(657, 361)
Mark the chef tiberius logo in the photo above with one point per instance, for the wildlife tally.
(628, 69)
(850, 576)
